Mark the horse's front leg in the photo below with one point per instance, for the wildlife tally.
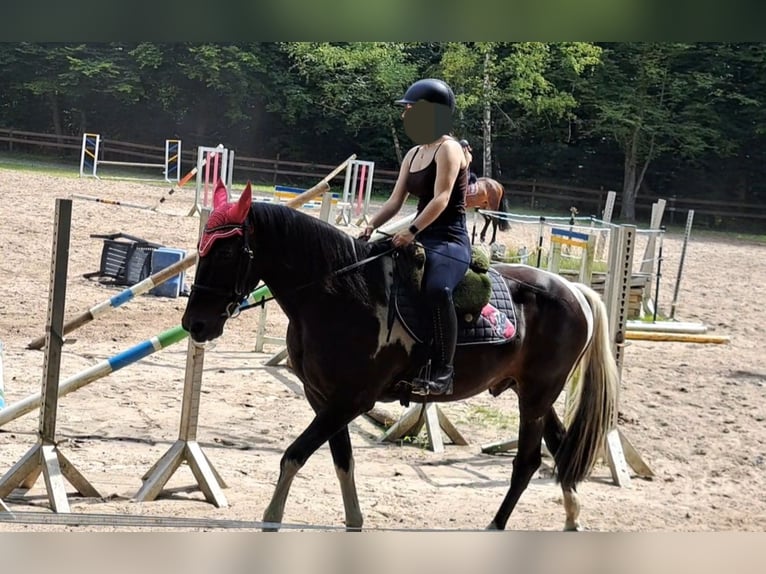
(326, 423)
(343, 457)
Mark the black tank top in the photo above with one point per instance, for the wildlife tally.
(421, 184)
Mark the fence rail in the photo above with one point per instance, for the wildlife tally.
(534, 194)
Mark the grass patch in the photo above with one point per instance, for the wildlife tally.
(59, 167)
(493, 418)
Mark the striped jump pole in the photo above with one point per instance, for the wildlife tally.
(182, 182)
(112, 201)
(115, 363)
(122, 297)
(97, 371)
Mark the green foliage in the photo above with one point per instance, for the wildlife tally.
(683, 119)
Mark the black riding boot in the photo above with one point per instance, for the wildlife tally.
(443, 348)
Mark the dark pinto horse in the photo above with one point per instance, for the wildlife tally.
(335, 292)
(489, 195)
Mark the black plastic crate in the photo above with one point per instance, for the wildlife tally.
(125, 258)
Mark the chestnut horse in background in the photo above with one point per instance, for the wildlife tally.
(490, 195)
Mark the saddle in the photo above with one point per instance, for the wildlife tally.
(482, 300)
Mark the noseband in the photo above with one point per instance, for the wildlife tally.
(236, 294)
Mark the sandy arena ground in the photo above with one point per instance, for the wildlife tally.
(695, 412)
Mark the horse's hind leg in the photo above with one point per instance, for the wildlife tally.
(554, 434)
(342, 455)
(525, 464)
(483, 232)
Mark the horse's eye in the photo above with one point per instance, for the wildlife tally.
(226, 254)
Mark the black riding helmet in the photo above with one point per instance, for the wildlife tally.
(464, 143)
(430, 90)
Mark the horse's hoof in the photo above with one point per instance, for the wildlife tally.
(270, 526)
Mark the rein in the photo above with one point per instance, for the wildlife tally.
(234, 308)
(261, 302)
(335, 273)
(236, 294)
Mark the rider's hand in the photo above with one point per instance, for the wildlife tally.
(366, 233)
(403, 238)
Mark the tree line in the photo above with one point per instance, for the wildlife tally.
(665, 119)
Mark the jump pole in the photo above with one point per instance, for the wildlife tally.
(89, 159)
(182, 182)
(110, 365)
(687, 233)
(97, 371)
(320, 188)
(122, 297)
(111, 201)
(677, 337)
(45, 458)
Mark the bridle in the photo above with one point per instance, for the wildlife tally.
(238, 291)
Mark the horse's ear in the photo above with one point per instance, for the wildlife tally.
(243, 205)
(220, 195)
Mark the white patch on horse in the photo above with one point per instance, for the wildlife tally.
(399, 335)
(586, 310)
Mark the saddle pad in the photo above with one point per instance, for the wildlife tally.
(496, 323)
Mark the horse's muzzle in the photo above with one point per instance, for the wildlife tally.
(201, 331)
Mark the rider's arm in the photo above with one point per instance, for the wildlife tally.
(395, 201)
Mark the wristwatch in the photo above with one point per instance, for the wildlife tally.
(413, 229)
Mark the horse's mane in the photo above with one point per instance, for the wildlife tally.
(323, 249)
